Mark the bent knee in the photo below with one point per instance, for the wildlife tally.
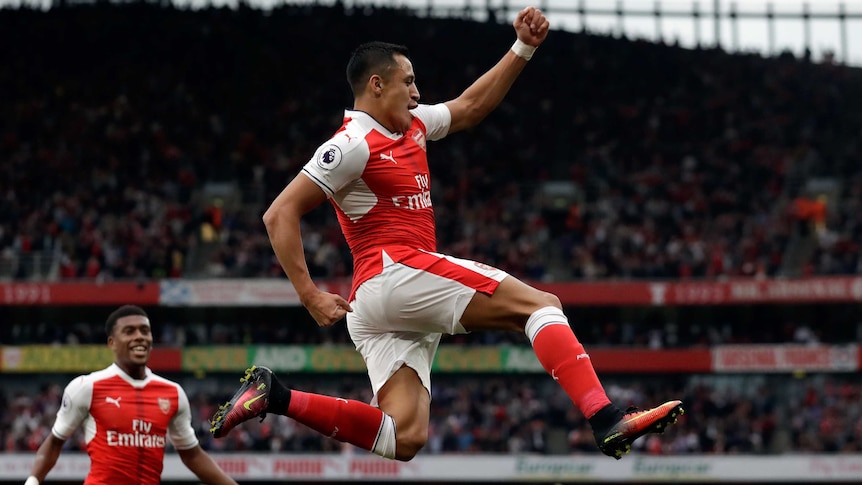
(509, 308)
(525, 299)
(549, 299)
(408, 446)
(538, 299)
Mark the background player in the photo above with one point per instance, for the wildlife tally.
(404, 294)
(127, 412)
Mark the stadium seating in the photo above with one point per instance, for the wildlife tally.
(154, 154)
(507, 414)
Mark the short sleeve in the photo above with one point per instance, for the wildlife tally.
(74, 408)
(180, 428)
(338, 162)
(437, 119)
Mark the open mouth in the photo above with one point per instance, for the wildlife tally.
(139, 350)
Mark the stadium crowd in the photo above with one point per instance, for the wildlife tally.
(643, 327)
(132, 152)
(513, 414)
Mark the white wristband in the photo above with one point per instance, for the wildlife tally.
(31, 480)
(523, 50)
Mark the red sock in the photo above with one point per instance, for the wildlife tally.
(345, 420)
(563, 356)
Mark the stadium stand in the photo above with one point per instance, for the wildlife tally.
(502, 414)
(641, 161)
(641, 327)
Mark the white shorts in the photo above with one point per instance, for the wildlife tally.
(399, 315)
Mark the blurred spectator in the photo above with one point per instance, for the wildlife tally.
(504, 414)
(680, 163)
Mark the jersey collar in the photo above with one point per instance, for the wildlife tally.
(366, 119)
(126, 377)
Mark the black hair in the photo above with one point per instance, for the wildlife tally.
(123, 311)
(372, 58)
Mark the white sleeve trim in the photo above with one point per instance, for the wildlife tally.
(437, 119)
(74, 408)
(338, 162)
(180, 429)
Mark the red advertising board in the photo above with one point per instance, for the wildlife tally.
(835, 289)
(262, 292)
(169, 359)
(79, 293)
(629, 360)
(785, 358)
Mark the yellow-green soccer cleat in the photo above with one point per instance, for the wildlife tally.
(249, 401)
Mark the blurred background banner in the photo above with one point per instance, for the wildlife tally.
(449, 358)
(81, 359)
(278, 292)
(484, 469)
(80, 293)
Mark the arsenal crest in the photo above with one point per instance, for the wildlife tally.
(419, 138)
(165, 405)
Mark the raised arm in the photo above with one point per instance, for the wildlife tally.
(478, 100)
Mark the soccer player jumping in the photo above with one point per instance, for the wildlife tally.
(405, 295)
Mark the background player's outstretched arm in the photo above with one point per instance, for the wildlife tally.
(203, 466)
(477, 101)
(46, 458)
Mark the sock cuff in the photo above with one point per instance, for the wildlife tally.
(541, 318)
(384, 445)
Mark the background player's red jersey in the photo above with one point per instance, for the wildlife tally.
(126, 423)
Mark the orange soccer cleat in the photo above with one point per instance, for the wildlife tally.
(617, 440)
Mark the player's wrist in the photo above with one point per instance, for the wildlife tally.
(523, 50)
(31, 480)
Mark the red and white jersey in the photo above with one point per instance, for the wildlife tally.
(380, 186)
(126, 422)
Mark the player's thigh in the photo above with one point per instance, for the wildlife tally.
(405, 398)
(508, 308)
(386, 353)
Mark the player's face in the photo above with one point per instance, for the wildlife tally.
(400, 95)
(131, 342)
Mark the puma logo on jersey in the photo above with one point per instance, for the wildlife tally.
(113, 401)
(389, 157)
(583, 356)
